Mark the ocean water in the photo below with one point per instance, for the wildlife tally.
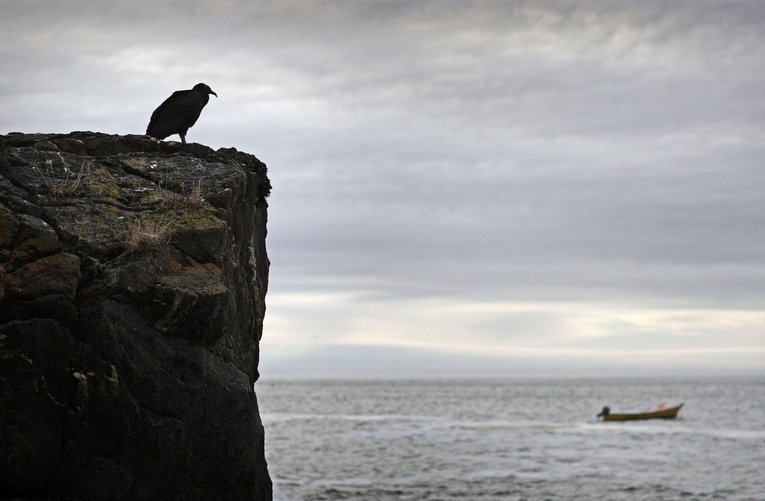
(513, 440)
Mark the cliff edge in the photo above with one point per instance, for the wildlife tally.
(133, 277)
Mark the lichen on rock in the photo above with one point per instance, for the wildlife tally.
(128, 358)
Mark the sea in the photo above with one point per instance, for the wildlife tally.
(515, 439)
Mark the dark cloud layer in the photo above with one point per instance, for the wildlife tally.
(437, 156)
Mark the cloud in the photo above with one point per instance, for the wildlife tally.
(451, 154)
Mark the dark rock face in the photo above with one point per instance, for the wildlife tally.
(133, 277)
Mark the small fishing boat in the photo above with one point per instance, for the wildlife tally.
(662, 412)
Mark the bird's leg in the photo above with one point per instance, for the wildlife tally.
(183, 137)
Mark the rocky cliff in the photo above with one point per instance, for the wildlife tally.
(133, 277)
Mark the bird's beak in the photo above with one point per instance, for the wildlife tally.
(213, 93)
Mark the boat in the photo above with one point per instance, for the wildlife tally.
(661, 413)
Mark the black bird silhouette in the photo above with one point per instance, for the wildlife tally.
(179, 112)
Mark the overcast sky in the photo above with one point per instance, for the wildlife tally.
(460, 188)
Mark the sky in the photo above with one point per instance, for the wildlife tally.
(460, 189)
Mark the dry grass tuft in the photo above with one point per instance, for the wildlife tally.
(186, 198)
(66, 187)
(148, 233)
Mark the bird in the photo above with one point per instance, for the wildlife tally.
(179, 112)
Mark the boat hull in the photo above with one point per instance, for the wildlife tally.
(669, 413)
